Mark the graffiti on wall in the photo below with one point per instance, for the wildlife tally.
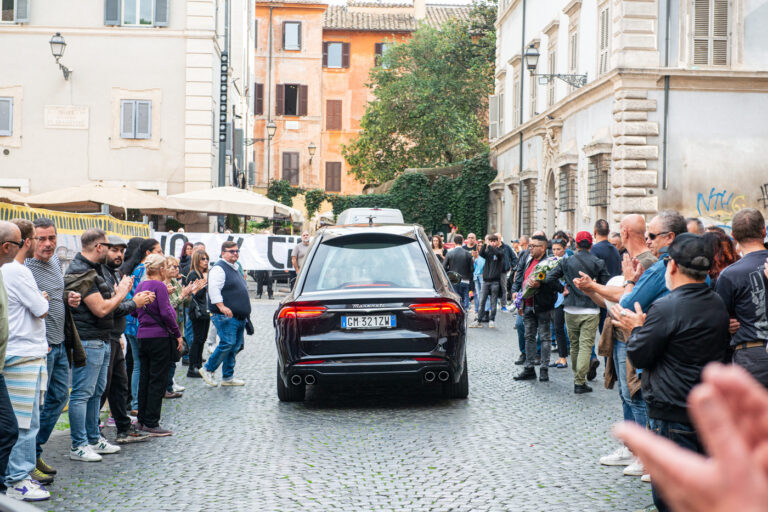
(718, 206)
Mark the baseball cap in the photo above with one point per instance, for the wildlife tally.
(114, 240)
(692, 251)
(583, 236)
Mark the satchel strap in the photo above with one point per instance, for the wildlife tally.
(160, 322)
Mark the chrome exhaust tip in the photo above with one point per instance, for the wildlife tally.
(309, 379)
(296, 380)
(429, 376)
(443, 375)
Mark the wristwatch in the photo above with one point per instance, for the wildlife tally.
(629, 281)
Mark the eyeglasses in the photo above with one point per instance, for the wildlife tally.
(652, 236)
(534, 246)
(173, 266)
(204, 259)
(17, 244)
(233, 251)
(51, 238)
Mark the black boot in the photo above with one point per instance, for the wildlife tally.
(520, 360)
(581, 388)
(527, 374)
(543, 374)
(193, 373)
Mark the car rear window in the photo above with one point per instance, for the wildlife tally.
(368, 262)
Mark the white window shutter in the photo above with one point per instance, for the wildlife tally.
(127, 117)
(605, 24)
(500, 129)
(516, 101)
(720, 32)
(21, 11)
(493, 117)
(162, 12)
(701, 17)
(143, 119)
(6, 117)
(112, 12)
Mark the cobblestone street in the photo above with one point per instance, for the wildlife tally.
(518, 446)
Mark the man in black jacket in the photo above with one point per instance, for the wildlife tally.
(492, 272)
(116, 390)
(537, 310)
(581, 314)
(460, 260)
(672, 344)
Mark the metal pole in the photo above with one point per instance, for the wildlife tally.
(520, 146)
(268, 142)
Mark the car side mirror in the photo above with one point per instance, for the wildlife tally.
(454, 277)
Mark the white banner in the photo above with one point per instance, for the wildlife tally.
(257, 252)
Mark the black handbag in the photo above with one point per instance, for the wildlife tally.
(175, 353)
(249, 326)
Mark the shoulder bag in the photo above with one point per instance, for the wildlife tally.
(175, 354)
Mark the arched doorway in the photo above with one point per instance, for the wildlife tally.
(551, 204)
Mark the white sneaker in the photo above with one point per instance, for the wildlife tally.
(177, 388)
(621, 457)
(84, 453)
(646, 478)
(476, 325)
(208, 377)
(634, 469)
(27, 490)
(233, 382)
(104, 446)
(491, 324)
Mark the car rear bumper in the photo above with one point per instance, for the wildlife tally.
(349, 370)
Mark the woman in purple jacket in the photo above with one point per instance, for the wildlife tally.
(157, 337)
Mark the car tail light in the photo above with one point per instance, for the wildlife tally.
(301, 311)
(428, 359)
(436, 308)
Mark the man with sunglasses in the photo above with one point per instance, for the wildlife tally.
(230, 305)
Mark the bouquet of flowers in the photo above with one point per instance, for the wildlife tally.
(539, 274)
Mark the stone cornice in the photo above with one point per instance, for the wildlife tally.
(551, 27)
(515, 60)
(573, 7)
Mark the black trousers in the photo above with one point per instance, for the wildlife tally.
(558, 321)
(263, 277)
(9, 428)
(155, 358)
(200, 334)
(117, 390)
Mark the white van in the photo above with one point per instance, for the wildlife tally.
(370, 216)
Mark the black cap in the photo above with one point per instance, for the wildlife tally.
(692, 251)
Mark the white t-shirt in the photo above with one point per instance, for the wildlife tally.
(26, 304)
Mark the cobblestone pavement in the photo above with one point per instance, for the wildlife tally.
(518, 446)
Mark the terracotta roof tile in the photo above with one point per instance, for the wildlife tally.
(339, 17)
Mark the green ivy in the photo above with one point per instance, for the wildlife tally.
(283, 192)
(172, 224)
(312, 201)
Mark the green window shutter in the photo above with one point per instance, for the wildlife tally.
(127, 118)
(143, 119)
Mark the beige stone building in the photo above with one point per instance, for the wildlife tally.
(141, 104)
(671, 115)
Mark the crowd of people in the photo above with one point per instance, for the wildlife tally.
(110, 329)
(660, 301)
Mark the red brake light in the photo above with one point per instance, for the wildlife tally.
(318, 361)
(436, 308)
(428, 359)
(299, 311)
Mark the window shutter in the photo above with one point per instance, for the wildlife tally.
(303, 93)
(21, 11)
(286, 166)
(143, 119)
(493, 118)
(162, 12)
(333, 176)
(284, 24)
(574, 54)
(325, 54)
(255, 38)
(299, 30)
(720, 33)
(604, 40)
(127, 113)
(516, 101)
(280, 100)
(6, 117)
(377, 52)
(112, 12)
(258, 99)
(345, 55)
(701, 17)
(501, 115)
(333, 115)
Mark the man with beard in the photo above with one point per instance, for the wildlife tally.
(116, 390)
(94, 319)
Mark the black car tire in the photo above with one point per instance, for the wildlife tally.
(289, 393)
(459, 389)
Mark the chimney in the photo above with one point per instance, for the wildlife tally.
(419, 9)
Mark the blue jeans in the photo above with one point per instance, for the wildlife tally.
(683, 435)
(23, 456)
(188, 333)
(463, 290)
(520, 328)
(136, 373)
(88, 384)
(478, 289)
(633, 406)
(56, 395)
(231, 336)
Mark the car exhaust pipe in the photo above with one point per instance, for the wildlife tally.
(429, 376)
(296, 380)
(443, 375)
(309, 379)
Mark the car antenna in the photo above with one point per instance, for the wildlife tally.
(370, 220)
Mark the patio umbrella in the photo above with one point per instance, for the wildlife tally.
(11, 196)
(231, 200)
(89, 197)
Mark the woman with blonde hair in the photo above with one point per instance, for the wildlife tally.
(180, 297)
(158, 338)
(198, 311)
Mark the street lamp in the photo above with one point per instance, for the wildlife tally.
(271, 129)
(57, 49)
(312, 148)
(532, 60)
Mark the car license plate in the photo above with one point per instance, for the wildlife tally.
(368, 322)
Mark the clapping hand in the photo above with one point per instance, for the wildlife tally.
(631, 268)
(626, 320)
(583, 283)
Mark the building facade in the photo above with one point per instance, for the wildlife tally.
(141, 104)
(311, 68)
(669, 117)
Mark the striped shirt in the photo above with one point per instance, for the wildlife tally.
(50, 279)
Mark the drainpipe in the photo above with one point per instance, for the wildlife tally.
(268, 142)
(223, 143)
(520, 146)
(666, 101)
